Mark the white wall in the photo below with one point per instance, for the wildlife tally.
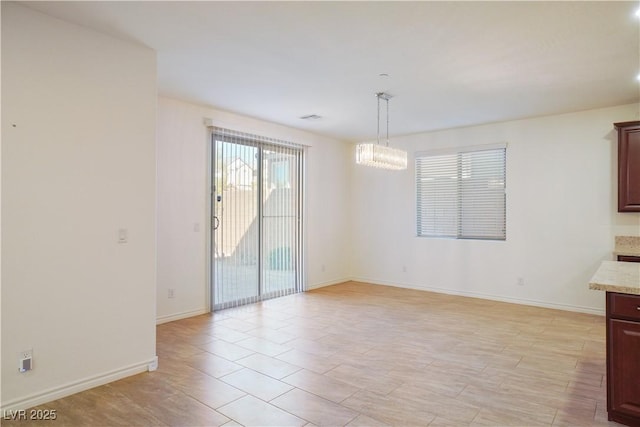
(78, 164)
(183, 198)
(561, 215)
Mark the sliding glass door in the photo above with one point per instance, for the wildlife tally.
(256, 210)
(235, 245)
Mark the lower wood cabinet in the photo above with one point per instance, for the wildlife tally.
(623, 358)
(628, 258)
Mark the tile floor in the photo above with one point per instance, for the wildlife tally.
(363, 355)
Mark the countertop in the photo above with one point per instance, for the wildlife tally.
(615, 276)
(627, 245)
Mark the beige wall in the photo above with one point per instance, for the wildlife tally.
(360, 221)
(561, 215)
(183, 197)
(78, 164)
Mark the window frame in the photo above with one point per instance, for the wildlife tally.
(458, 152)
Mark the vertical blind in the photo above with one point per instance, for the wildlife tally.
(462, 194)
(257, 218)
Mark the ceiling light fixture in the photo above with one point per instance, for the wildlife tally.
(378, 155)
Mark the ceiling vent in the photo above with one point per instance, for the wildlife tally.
(311, 117)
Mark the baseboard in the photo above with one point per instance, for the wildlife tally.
(178, 316)
(77, 386)
(522, 301)
(328, 283)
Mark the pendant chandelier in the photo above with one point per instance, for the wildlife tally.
(378, 155)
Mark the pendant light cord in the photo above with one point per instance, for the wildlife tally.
(378, 96)
(387, 99)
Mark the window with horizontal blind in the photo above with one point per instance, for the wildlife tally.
(461, 194)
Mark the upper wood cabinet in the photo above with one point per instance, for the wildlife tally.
(628, 166)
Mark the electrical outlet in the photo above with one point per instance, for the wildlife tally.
(404, 268)
(25, 360)
(520, 281)
(322, 268)
(171, 293)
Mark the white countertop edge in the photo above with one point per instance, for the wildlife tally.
(616, 276)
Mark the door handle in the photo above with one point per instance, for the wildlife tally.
(216, 222)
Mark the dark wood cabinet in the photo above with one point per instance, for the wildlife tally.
(623, 358)
(628, 166)
(628, 258)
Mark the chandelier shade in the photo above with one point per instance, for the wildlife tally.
(381, 156)
(378, 155)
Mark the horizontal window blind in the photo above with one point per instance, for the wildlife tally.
(462, 194)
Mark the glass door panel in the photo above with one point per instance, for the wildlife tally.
(235, 223)
(280, 202)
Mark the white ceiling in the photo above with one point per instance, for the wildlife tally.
(450, 64)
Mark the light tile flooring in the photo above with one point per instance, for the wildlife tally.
(363, 355)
